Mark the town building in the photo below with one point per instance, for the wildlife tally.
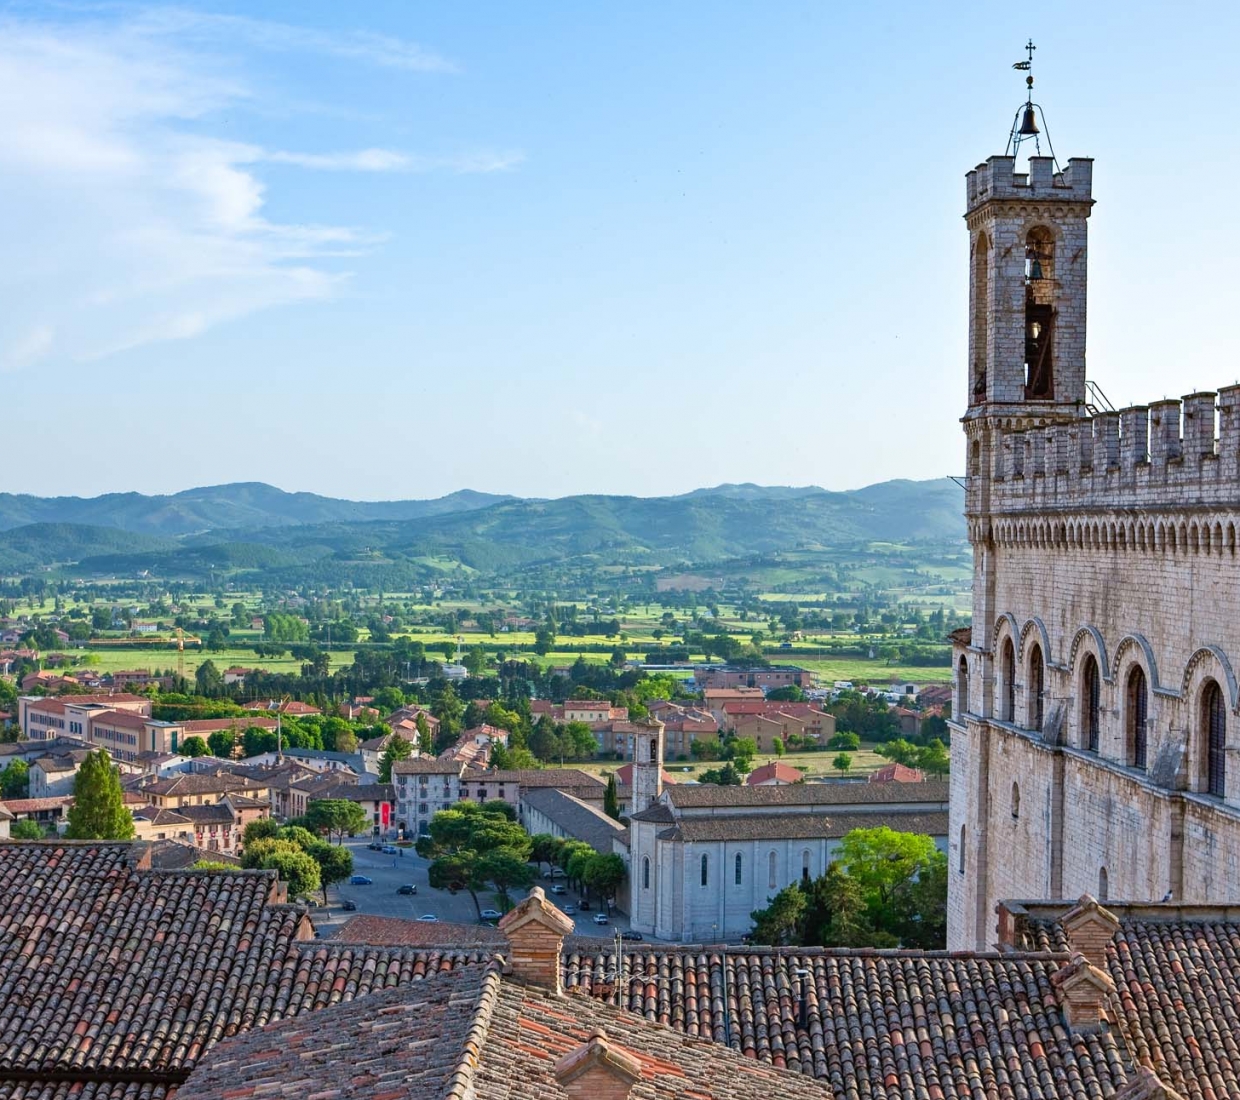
(424, 786)
(702, 858)
(1095, 739)
(1132, 1002)
(766, 677)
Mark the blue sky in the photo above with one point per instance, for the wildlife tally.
(385, 250)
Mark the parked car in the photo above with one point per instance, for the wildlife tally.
(601, 918)
(375, 846)
(360, 880)
(568, 910)
(630, 935)
(429, 918)
(349, 906)
(491, 914)
(408, 888)
(559, 888)
(388, 849)
(556, 872)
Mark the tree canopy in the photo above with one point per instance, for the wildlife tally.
(336, 815)
(98, 811)
(476, 848)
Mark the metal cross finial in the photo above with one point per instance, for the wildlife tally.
(1029, 48)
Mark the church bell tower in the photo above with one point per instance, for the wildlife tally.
(647, 765)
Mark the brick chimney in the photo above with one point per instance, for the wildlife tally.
(536, 929)
(1083, 992)
(1090, 929)
(597, 1070)
(1146, 1086)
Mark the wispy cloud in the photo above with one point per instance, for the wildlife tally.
(129, 222)
(361, 46)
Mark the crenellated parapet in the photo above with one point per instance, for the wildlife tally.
(1169, 455)
(997, 179)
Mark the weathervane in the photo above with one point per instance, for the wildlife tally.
(1025, 123)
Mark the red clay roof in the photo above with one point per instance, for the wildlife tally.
(781, 773)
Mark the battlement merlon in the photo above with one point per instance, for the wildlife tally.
(1170, 453)
(998, 179)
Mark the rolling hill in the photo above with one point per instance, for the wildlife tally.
(295, 532)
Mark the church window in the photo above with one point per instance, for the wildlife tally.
(645, 872)
(962, 686)
(1138, 706)
(1214, 719)
(805, 866)
(960, 854)
(1103, 885)
(738, 868)
(770, 871)
(1009, 681)
(705, 870)
(1037, 688)
(1015, 800)
(1090, 702)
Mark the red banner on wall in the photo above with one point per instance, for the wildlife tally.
(385, 813)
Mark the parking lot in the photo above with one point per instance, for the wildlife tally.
(390, 872)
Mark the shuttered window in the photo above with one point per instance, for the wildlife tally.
(1216, 739)
(1138, 714)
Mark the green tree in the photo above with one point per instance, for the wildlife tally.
(934, 759)
(98, 811)
(886, 864)
(545, 740)
(604, 875)
(834, 912)
(544, 848)
(289, 860)
(396, 749)
(195, 746)
(900, 751)
(544, 641)
(336, 815)
(578, 740)
(426, 743)
(209, 679)
(221, 744)
(15, 780)
(611, 799)
(842, 763)
(726, 776)
(846, 742)
(25, 829)
(448, 648)
(335, 863)
(779, 923)
(777, 746)
(263, 829)
(346, 741)
(476, 660)
(475, 848)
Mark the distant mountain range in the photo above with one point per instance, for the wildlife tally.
(252, 526)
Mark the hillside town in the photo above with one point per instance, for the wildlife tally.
(593, 835)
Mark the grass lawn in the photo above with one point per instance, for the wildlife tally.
(111, 658)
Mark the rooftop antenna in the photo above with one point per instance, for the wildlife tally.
(1025, 122)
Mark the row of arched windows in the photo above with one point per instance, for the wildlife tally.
(1211, 721)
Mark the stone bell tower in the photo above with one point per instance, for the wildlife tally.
(647, 765)
(1028, 256)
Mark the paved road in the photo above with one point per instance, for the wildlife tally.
(381, 897)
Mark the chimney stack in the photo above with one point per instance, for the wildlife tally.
(1083, 990)
(536, 929)
(1090, 929)
(597, 1070)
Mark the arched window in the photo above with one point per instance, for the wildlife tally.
(1015, 800)
(981, 311)
(770, 871)
(1039, 314)
(738, 868)
(1009, 681)
(1214, 720)
(1090, 700)
(805, 866)
(1036, 696)
(705, 869)
(960, 854)
(962, 687)
(645, 872)
(1103, 886)
(1137, 716)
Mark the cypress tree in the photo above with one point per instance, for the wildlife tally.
(98, 811)
(611, 799)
